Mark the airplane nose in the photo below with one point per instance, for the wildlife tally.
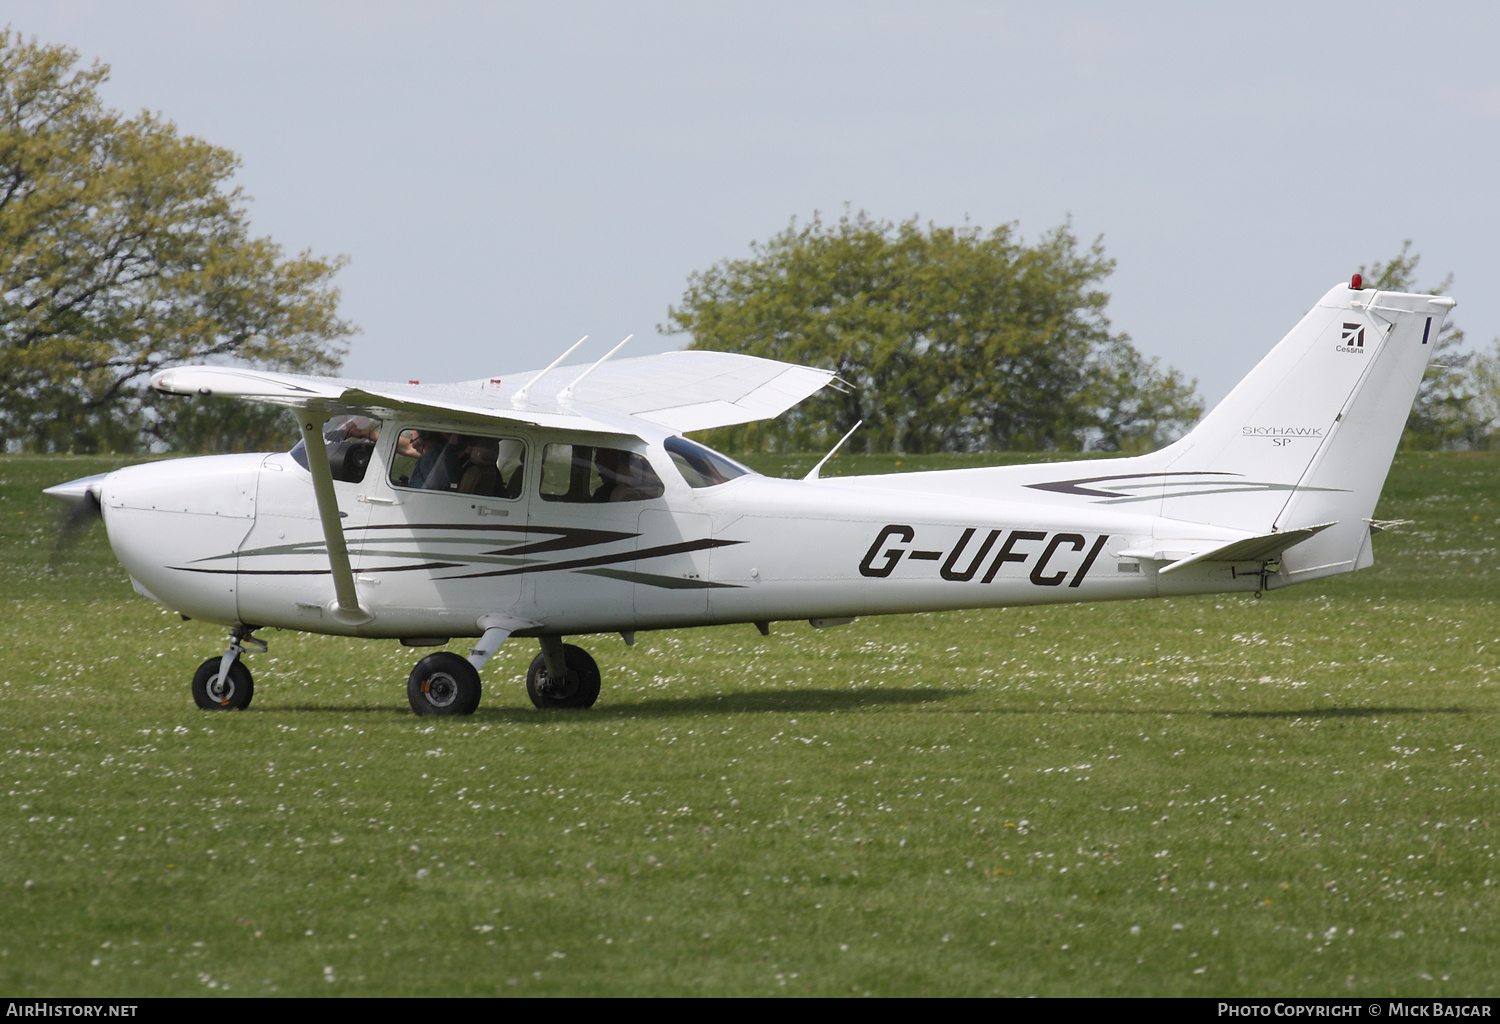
(78, 493)
(82, 498)
(177, 526)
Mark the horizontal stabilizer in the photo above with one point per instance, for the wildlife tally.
(1249, 549)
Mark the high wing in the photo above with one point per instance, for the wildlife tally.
(678, 391)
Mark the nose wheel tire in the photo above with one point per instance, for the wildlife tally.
(578, 688)
(214, 694)
(443, 684)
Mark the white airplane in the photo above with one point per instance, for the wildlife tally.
(566, 502)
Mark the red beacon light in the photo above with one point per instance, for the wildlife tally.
(1356, 283)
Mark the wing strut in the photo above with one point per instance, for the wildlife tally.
(348, 611)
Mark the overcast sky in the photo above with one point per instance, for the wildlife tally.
(508, 177)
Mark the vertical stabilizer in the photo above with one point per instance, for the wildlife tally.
(1308, 436)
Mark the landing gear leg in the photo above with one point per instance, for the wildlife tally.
(224, 683)
(562, 676)
(553, 656)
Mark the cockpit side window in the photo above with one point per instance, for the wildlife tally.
(701, 466)
(587, 473)
(350, 441)
(440, 460)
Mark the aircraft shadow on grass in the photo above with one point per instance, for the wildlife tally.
(1313, 712)
(1316, 712)
(770, 701)
(815, 701)
(1294, 713)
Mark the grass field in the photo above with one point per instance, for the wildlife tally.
(1208, 796)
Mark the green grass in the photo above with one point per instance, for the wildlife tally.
(1207, 796)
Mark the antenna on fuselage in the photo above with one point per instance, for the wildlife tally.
(520, 396)
(567, 393)
(813, 474)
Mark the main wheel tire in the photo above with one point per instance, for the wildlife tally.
(578, 689)
(443, 684)
(231, 695)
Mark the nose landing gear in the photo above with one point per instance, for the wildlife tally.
(214, 691)
(224, 683)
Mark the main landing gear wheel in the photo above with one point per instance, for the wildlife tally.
(214, 694)
(578, 688)
(443, 684)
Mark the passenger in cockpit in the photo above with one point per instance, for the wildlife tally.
(428, 447)
(449, 464)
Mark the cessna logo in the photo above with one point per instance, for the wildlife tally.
(1352, 338)
(1048, 554)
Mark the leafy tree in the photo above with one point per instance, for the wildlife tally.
(124, 249)
(950, 339)
(1445, 414)
(1484, 373)
(198, 424)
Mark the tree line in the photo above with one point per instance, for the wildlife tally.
(126, 248)
(948, 339)
(953, 339)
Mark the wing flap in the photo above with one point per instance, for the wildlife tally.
(741, 398)
(695, 390)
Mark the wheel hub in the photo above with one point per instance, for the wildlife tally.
(221, 689)
(558, 689)
(441, 689)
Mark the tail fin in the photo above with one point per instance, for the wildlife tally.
(1306, 439)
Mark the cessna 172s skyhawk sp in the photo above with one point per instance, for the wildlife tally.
(557, 503)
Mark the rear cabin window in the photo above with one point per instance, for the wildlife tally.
(440, 460)
(588, 473)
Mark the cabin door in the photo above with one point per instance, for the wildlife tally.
(447, 528)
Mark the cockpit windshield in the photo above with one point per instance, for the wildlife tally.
(701, 466)
(350, 441)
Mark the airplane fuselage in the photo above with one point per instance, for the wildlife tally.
(236, 539)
